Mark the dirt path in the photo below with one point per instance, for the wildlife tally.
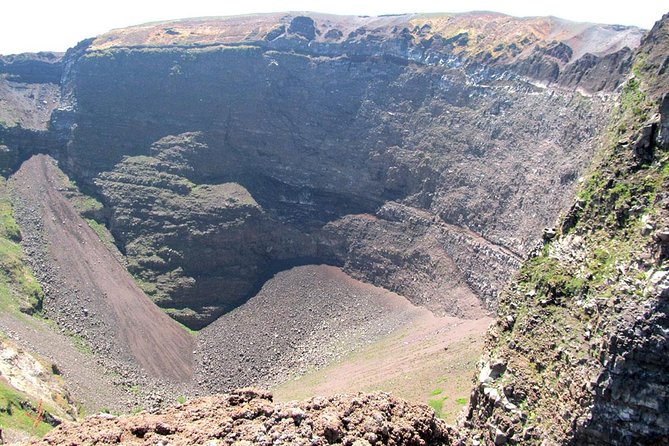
(100, 290)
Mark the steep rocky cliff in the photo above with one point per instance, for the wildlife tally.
(420, 153)
(580, 352)
(29, 92)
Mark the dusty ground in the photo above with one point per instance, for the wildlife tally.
(428, 360)
(96, 289)
(302, 318)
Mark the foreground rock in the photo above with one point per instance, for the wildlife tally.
(246, 417)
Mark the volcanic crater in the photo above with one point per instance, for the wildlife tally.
(296, 188)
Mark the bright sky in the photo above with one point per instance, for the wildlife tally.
(55, 25)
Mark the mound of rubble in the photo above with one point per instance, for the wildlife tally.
(249, 416)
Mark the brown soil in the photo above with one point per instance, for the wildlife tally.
(489, 28)
(247, 417)
(101, 286)
(314, 330)
(380, 340)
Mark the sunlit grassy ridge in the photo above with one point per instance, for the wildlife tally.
(17, 412)
(19, 290)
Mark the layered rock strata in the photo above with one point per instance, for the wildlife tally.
(421, 153)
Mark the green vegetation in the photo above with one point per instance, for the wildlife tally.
(110, 412)
(437, 404)
(8, 228)
(149, 288)
(184, 51)
(634, 103)
(632, 99)
(99, 229)
(181, 399)
(188, 329)
(609, 219)
(85, 204)
(79, 343)
(81, 410)
(102, 233)
(18, 412)
(549, 278)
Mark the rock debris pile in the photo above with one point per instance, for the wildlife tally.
(249, 417)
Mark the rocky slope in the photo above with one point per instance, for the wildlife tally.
(29, 89)
(420, 153)
(301, 319)
(88, 291)
(29, 92)
(579, 354)
(53, 257)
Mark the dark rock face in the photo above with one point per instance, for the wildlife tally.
(593, 73)
(663, 132)
(303, 26)
(29, 92)
(199, 249)
(404, 149)
(438, 264)
(39, 68)
(403, 153)
(632, 394)
(27, 105)
(654, 50)
(18, 144)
